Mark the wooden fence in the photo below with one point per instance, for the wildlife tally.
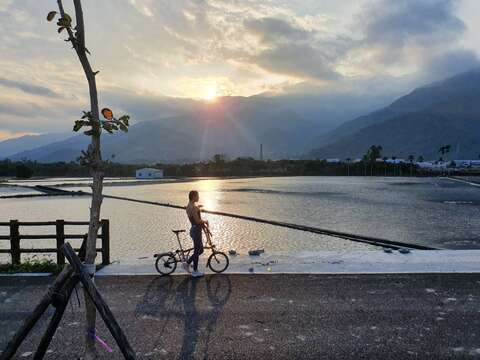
(16, 236)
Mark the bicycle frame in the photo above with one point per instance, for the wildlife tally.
(210, 246)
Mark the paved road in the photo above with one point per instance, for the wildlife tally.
(270, 316)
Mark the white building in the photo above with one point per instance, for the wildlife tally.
(432, 165)
(467, 164)
(395, 161)
(444, 165)
(149, 173)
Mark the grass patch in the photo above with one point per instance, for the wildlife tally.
(32, 266)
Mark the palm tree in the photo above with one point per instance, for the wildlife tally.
(421, 159)
(364, 161)
(410, 159)
(447, 149)
(385, 164)
(444, 150)
(373, 153)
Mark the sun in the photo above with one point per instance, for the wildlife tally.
(210, 93)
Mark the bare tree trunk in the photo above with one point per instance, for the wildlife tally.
(95, 161)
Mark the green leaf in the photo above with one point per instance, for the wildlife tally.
(86, 115)
(124, 119)
(67, 18)
(79, 124)
(51, 15)
(123, 127)
(64, 22)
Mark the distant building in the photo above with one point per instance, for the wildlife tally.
(149, 173)
(454, 164)
(395, 161)
(433, 165)
(467, 164)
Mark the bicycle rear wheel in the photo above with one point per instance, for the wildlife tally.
(166, 264)
(218, 262)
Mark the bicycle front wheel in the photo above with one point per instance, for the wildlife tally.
(218, 262)
(166, 264)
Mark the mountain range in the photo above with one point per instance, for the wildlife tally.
(188, 130)
(419, 123)
(13, 146)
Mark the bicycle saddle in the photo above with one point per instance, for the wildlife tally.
(178, 231)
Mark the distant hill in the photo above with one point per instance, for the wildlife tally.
(447, 112)
(235, 126)
(191, 137)
(10, 147)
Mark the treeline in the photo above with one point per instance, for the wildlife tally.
(27, 169)
(217, 166)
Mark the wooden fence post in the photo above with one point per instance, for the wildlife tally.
(15, 242)
(105, 242)
(60, 227)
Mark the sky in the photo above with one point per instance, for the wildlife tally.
(150, 50)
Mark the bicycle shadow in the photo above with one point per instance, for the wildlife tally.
(218, 290)
(197, 303)
(157, 302)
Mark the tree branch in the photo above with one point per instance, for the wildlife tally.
(80, 26)
(71, 36)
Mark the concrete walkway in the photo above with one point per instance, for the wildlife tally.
(325, 262)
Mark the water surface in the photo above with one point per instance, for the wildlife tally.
(429, 211)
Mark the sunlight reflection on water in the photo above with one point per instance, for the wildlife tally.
(427, 211)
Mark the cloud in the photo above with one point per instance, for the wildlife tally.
(11, 135)
(28, 88)
(274, 30)
(403, 21)
(151, 48)
(399, 30)
(386, 38)
(289, 49)
(302, 61)
(449, 63)
(142, 7)
(4, 4)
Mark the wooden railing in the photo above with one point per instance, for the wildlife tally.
(16, 236)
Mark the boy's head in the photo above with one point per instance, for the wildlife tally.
(193, 196)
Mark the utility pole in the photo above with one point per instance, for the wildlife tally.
(261, 152)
